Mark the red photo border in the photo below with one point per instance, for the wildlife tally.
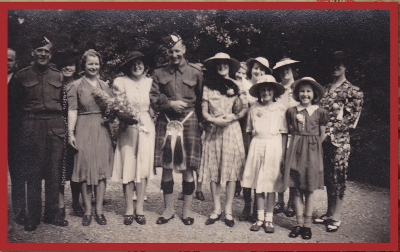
(394, 167)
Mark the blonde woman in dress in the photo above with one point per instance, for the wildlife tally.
(88, 134)
(134, 154)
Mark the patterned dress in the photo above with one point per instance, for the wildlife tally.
(134, 153)
(94, 159)
(262, 171)
(303, 163)
(223, 156)
(344, 106)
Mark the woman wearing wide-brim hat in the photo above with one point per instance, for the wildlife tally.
(257, 67)
(266, 126)
(134, 153)
(287, 72)
(223, 155)
(344, 102)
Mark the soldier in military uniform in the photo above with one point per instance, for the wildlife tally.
(42, 133)
(176, 94)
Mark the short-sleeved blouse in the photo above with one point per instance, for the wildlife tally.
(262, 120)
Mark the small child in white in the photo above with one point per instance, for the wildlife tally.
(266, 124)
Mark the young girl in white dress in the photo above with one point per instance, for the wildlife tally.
(267, 124)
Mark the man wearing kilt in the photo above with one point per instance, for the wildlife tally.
(176, 94)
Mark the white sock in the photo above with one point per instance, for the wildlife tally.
(268, 217)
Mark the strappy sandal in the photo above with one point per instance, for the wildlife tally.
(332, 225)
(321, 220)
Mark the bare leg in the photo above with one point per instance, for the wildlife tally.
(298, 205)
(100, 193)
(309, 205)
(230, 194)
(187, 199)
(216, 195)
(128, 191)
(338, 207)
(141, 191)
(61, 197)
(87, 198)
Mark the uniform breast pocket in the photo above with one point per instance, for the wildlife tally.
(54, 90)
(31, 89)
(188, 88)
(165, 86)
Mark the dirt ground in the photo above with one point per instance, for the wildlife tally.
(365, 218)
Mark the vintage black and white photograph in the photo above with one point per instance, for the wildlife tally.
(199, 126)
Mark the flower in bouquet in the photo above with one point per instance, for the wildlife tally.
(104, 100)
(128, 112)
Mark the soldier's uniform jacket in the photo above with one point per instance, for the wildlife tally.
(40, 92)
(172, 83)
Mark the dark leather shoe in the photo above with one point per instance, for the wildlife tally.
(162, 220)
(279, 208)
(306, 233)
(20, 217)
(128, 219)
(86, 220)
(78, 210)
(229, 223)
(211, 221)
(245, 215)
(289, 211)
(59, 218)
(295, 231)
(30, 226)
(101, 220)
(257, 225)
(188, 221)
(140, 219)
(200, 196)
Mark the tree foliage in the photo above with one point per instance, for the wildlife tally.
(309, 36)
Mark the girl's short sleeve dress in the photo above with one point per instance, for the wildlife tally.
(304, 161)
(94, 158)
(262, 171)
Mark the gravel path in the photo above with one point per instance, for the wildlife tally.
(365, 218)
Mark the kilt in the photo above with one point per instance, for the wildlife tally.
(191, 138)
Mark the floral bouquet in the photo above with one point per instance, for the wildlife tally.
(128, 113)
(104, 100)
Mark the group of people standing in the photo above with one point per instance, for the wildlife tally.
(222, 122)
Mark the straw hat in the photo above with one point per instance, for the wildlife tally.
(234, 65)
(267, 79)
(261, 60)
(317, 87)
(284, 62)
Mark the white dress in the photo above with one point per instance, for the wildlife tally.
(262, 170)
(134, 153)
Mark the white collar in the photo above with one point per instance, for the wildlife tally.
(309, 109)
